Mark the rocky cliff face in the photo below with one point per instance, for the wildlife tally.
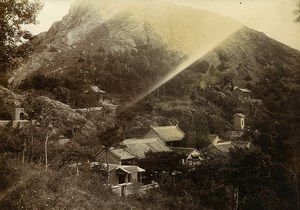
(114, 27)
(244, 58)
(126, 47)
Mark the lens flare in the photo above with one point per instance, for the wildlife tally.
(189, 61)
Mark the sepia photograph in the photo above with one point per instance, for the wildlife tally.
(149, 104)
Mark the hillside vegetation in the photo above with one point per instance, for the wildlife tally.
(124, 49)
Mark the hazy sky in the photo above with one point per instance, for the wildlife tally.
(52, 11)
(273, 17)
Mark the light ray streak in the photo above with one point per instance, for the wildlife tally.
(189, 61)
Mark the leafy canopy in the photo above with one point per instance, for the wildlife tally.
(13, 37)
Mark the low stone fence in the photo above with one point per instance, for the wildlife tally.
(123, 189)
(126, 189)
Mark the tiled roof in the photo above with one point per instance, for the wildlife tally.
(169, 133)
(239, 114)
(130, 169)
(185, 150)
(212, 137)
(234, 134)
(227, 145)
(241, 144)
(141, 146)
(123, 154)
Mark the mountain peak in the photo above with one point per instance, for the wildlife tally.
(181, 28)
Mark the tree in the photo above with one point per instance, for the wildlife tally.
(260, 183)
(210, 182)
(13, 38)
(243, 179)
(13, 140)
(157, 163)
(107, 139)
(4, 110)
(43, 117)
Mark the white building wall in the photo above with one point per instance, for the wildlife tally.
(238, 123)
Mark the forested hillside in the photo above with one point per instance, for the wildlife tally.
(80, 86)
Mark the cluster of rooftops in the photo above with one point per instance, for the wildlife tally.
(165, 139)
(158, 139)
(121, 161)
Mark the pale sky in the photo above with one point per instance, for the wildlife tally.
(273, 17)
(53, 10)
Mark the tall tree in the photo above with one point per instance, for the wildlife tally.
(107, 138)
(14, 14)
(42, 117)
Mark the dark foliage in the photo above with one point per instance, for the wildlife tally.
(5, 113)
(13, 38)
(162, 162)
(70, 91)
